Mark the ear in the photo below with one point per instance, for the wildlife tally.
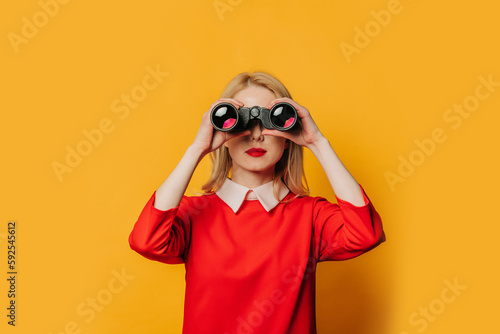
(287, 143)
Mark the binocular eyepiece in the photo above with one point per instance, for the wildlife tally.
(226, 117)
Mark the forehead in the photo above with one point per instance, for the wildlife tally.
(255, 96)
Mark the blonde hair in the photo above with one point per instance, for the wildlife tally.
(289, 168)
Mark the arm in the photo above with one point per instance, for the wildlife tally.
(162, 229)
(343, 183)
(170, 193)
(351, 227)
(343, 231)
(346, 229)
(309, 135)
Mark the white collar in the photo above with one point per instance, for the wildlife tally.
(233, 194)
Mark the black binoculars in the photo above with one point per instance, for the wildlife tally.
(226, 117)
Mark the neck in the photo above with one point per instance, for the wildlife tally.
(251, 179)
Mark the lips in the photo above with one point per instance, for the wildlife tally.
(256, 152)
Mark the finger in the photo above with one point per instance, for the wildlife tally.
(301, 110)
(230, 135)
(238, 102)
(281, 99)
(205, 118)
(239, 134)
(231, 100)
(276, 133)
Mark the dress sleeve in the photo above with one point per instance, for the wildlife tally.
(161, 235)
(343, 231)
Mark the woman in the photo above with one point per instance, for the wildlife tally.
(251, 243)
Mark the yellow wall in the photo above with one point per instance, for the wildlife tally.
(377, 97)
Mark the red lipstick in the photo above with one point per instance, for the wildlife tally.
(256, 152)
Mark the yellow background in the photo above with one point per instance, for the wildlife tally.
(441, 222)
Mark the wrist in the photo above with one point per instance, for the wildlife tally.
(318, 144)
(196, 152)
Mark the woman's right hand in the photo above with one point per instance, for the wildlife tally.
(208, 139)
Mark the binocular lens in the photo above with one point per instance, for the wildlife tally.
(283, 116)
(224, 117)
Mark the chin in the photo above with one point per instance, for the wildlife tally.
(256, 166)
(253, 164)
(260, 168)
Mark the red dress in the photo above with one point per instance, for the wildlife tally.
(253, 271)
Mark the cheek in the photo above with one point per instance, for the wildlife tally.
(235, 151)
(279, 143)
(279, 148)
(232, 144)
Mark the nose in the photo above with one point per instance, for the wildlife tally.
(255, 127)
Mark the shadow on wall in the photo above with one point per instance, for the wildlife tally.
(353, 296)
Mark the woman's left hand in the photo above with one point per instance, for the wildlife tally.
(307, 133)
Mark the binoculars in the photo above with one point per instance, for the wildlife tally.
(226, 117)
